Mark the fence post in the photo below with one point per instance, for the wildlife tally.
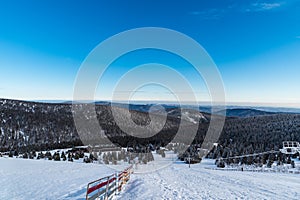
(113, 185)
(116, 183)
(98, 191)
(87, 195)
(123, 179)
(106, 190)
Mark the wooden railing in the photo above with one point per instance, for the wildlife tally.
(106, 187)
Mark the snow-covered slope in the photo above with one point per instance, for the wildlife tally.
(40, 179)
(178, 181)
(161, 179)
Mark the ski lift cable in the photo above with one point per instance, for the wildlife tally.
(292, 145)
(249, 155)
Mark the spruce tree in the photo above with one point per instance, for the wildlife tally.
(163, 154)
(293, 164)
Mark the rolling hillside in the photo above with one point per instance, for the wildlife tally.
(35, 126)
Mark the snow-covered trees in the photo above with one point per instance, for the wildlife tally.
(56, 156)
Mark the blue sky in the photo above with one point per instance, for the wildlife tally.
(254, 43)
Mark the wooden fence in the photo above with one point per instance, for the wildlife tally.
(106, 187)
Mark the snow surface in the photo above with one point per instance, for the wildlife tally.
(178, 181)
(165, 178)
(41, 179)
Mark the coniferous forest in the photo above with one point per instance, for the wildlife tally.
(30, 126)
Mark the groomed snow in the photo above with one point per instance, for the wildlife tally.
(41, 179)
(177, 181)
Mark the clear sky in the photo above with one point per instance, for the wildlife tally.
(254, 43)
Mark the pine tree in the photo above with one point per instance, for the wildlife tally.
(25, 155)
(145, 161)
(293, 164)
(140, 158)
(91, 157)
(95, 156)
(105, 160)
(70, 157)
(16, 153)
(109, 157)
(289, 160)
(114, 155)
(119, 156)
(63, 156)
(31, 155)
(56, 157)
(220, 164)
(86, 160)
(163, 154)
(41, 155)
(76, 157)
(81, 154)
(249, 160)
(269, 164)
(48, 154)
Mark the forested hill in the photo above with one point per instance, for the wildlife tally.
(247, 112)
(30, 125)
(36, 125)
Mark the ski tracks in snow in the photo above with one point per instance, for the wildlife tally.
(180, 182)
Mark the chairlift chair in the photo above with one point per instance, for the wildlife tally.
(290, 147)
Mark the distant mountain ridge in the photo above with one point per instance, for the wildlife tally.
(202, 107)
(246, 112)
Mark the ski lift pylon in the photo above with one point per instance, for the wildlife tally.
(290, 147)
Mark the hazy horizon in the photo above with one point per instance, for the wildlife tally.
(254, 44)
(203, 103)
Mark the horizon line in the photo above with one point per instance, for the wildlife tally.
(200, 103)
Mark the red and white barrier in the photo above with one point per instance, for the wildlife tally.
(124, 177)
(106, 187)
